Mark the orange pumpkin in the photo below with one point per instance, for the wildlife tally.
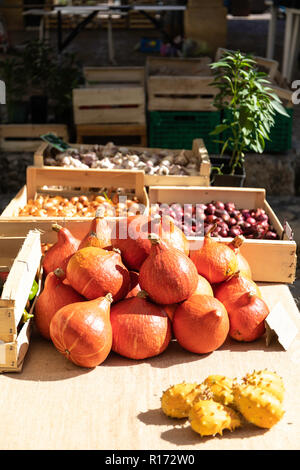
(94, 272)
(214, 260)
(82, 331)
(201, 324)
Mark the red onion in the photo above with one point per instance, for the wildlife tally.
(271, 235)
(220, 205)
(211, 218)
(251, 220)
(210, 209)
(232, 221)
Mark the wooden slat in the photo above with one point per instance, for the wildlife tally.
(177, 180)
(26, 137)
(243, 197)
(66, 177)
(118, 115)
(180, 104)
(32, 130)
(118, 75)
(108, 96)
(181, 85)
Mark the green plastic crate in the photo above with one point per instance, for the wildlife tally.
(178, 129)
(280, 133)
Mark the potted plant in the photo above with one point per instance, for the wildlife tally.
(38, 59)
(13, 74)
(248, 105)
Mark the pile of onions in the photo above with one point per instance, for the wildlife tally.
(230, 221)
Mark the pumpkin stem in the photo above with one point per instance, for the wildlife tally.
(59, 272)
(56, 227)
(237, 241)
(154, 239)
(236, 273)
(116, 250)
(142, 294)
(109, 297)
(211, 230)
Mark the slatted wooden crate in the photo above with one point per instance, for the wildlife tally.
(26, 137)
(270, 261)
(176, 84)
(111, 95)
(198, 151)
(21, 257)
(67, 183)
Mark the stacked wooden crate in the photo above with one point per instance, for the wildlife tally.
(180, 102)
(112, 103)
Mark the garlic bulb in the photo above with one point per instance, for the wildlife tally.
(153, 162)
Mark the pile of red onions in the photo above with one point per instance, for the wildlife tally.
(229, 221)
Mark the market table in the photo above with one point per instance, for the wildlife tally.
(53, 404)
(109, 10)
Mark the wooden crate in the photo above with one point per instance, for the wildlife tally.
(65, 182)
(117, 97)
(26, 137)
(198, 150)
(21, 256)
(137, 131)
(175, 84)
(270, 261)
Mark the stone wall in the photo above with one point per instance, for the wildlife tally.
(13, 170)
(278, 174)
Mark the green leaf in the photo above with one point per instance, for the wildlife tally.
(219, 129)
(280, 109)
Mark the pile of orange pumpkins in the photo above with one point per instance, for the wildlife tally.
(134, 288)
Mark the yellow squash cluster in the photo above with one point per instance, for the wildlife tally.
(220, 403)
